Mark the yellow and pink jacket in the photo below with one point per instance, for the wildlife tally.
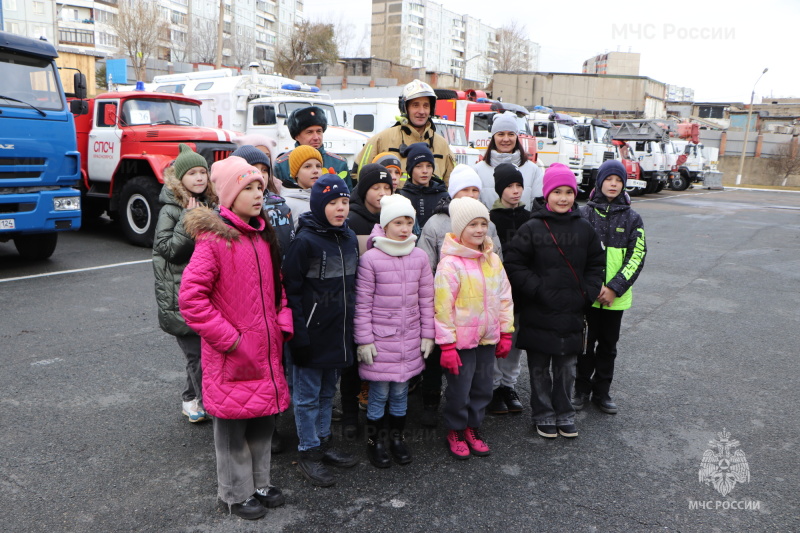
(472, 296)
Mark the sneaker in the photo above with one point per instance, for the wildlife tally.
(194, 410)
(270, 497)
(578, 400)
(456, 444)
(606, 405)
(476, 444)
(568, 430)
(498, 404)
(511, 398)
(363, 396)
(546, 431)
(250, 509)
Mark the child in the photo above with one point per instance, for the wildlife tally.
(474, 323)
(508, 214)
(393, 324)
(622, 233)
(424, 189)
(555, 263)
(231, 295)
(305, 167)
(186, 186)
(262, 143)
(464, 182)
(391, 162)
(278, 212)
(319, 273)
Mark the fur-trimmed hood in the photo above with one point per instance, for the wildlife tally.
(175, 193)
(220, 223)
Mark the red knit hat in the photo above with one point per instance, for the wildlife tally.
(230, 176)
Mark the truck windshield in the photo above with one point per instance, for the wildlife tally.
(522, 126)
(30, 80)
(566, 131)
(141, 111)
(454, 134)
(600, 134)
(286, 108)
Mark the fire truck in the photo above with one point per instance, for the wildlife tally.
(598, 147)
(126, 141)
(646, 138)
(694, 160)
(557, 141)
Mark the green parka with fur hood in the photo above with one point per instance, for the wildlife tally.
(172, 249)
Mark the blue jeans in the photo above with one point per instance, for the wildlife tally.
(381, 391)
(313, 403)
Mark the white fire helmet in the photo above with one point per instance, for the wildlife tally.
(417, 89)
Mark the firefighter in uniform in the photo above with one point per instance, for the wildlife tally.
(307, 126)
(417, 105)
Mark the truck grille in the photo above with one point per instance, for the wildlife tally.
(219, 155)
(20, 167)
(214, 151)
(462, 159)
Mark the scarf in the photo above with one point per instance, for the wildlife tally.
(394, 248)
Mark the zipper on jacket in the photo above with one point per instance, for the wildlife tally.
(311, 314)
(266, 324)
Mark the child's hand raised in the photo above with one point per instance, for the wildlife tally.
(192, 203)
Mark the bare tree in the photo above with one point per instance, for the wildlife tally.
(512, 47)
(310, 42)
(204, 43)
(242, 47)
(139, 27)
(351, 41)
(786, 161)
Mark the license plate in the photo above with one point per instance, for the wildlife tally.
(7, 223)
(637, 183)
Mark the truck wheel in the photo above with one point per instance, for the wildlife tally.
(660, 186)
(634, 191)
(680, 182)
(651, 187)
(37, 246)
(138, 209)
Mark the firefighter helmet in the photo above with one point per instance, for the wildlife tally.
(417, 89)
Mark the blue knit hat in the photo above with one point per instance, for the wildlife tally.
(416, 154)
(612, 166)
(252, 155)
(326, 189)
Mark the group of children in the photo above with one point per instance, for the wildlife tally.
(429, 287)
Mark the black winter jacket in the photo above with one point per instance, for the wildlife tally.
(424, 199)
(508, 221)
(319, 274)
(360, 220)
(551, 302)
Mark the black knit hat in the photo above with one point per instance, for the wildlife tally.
(505, 175)
(416, 154)
(370, 175)
(304, 118)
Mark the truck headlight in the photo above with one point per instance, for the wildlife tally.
(67, 203)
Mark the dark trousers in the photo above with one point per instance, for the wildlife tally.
(470, 391)
(350, 387)
(432, 378)
(190, 345)
(596, 366)
(551, 392)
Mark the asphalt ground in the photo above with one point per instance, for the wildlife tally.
(92, 439)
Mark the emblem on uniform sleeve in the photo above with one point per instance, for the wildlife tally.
(723, 466)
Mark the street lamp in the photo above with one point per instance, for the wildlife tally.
(747, 129)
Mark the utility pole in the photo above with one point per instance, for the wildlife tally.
(220, 27)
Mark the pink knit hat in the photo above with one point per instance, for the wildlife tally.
(230, 176)
(556, 175)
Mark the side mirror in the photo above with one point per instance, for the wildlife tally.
(79, 85)
(78, 107)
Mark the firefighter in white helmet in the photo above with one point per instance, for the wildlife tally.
(417, 104)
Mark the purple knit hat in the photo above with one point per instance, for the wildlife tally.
(558, 175)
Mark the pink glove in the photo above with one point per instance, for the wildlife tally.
(450, 359)
(504, 346)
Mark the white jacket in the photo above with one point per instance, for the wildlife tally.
(298, 202)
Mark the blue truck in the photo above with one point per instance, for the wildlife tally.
(39, 159)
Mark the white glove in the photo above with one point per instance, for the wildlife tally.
(366, 353)
(427, 347)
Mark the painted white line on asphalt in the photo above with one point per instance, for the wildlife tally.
(87, 269)
(759, 190)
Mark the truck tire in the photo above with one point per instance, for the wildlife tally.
(37, 246)
(138, 209)
(651, 187)
(680, 182)
(635, 191)
(660, 186)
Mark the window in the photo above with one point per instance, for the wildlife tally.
(481, 121)
(10, 5)
(106, 114)
(204, 86)
(38, 8)
(364, 122)
(264, 115)
(31, 80)
(73, 36)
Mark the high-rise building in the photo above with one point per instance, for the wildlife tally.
(423, 34)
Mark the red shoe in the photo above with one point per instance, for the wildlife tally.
(475, 442)
(456, 445)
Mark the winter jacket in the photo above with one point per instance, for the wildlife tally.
(621, 231)
(394, 308)
(532, 180)
(551, 303)
(297, 200)
(424, 199)
(360, 219)
(280, 216)
(432, 237)
(401, 135)
(508, 220)
(319, 274)
(172, 249)
(228, 293)
(473, 296)
(329, 160)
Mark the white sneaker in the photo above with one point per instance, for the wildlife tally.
(194, 410)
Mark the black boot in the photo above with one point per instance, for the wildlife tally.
(397, 445)
(430, 410)
(376, 444)
(310, 465)
(334, 457)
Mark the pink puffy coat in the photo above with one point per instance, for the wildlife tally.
(394, 310)
(227, 291)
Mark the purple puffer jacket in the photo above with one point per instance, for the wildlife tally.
(227, 291)
(394, 310)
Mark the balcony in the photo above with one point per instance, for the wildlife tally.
(75, 36)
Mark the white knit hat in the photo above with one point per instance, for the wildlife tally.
(505, 122)
(395, 205)
(461, 177)
(465, 210)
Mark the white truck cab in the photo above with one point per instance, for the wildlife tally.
(557, 141)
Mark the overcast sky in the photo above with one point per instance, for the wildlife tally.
(718, 48)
